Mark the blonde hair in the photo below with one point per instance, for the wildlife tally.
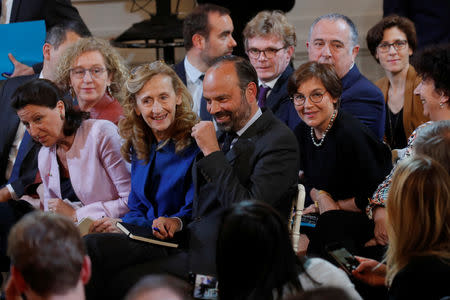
(137, 134)
(270, 23)
(418, 213)
(113, 62)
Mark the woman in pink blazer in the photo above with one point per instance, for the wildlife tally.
(80, 164)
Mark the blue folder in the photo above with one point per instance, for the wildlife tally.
(24, 40)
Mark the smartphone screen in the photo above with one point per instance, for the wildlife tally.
(344, 258)
(309, 220)
(205, 287)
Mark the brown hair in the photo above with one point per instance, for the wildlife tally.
(138, 136)
(375, 34)
(197, 22)
(48, 251)
(270, 22)
(324, 72)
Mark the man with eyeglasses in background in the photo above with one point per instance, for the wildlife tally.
(333, 39)
(269, 42)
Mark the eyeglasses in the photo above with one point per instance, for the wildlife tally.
(300, 99)
(268, 53)
(398, 45)
(95, 72)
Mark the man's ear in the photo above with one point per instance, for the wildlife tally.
(444, 99)
(198, 41)
(251, 92)
(355, 52)
(86, 270)
(290, 51)
(46, 51)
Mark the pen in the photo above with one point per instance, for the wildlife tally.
(156, 229)
(377, 266)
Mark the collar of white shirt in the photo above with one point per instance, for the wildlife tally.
(250, 122)
(270, 84)
(192, 73)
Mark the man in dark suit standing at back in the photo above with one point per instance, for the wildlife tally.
(207, 35)
(269, 41)
(255, 157)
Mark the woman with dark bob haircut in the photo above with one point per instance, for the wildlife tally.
(255, 258)
(82, 171)
(341, 160)
(391, 42)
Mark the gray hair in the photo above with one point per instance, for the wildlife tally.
(434, 141)
(335, 17)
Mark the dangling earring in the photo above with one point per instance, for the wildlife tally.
(108, 88)
(441, 105)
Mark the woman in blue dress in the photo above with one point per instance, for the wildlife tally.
(158, 143)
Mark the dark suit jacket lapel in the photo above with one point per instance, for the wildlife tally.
(15, 10)
(181, 71)
(279, 90)
(242, 145)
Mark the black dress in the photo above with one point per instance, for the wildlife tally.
(351, 162)
(425, 277)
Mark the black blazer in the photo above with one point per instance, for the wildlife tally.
(262, 165)
(52, 11)
(280, 104)
(181, 72)
(8, 130)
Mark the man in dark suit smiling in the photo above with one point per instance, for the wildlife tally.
(258, 159)
(255, 157)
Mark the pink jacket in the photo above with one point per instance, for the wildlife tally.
(99, 175)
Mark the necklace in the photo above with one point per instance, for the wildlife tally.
(392, 129)
(320, 142)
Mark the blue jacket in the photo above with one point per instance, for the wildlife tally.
(181, 72)
(163, 186)
(279, 103)
(362, 99)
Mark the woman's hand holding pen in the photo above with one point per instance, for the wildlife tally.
(165, 228)
(370, 271)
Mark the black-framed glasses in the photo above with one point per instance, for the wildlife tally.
(398, 45)
(95, 72)
(300, 99)
(268, 53)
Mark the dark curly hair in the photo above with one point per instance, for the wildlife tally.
(375, 34)
(434, 63)
(43, 92)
